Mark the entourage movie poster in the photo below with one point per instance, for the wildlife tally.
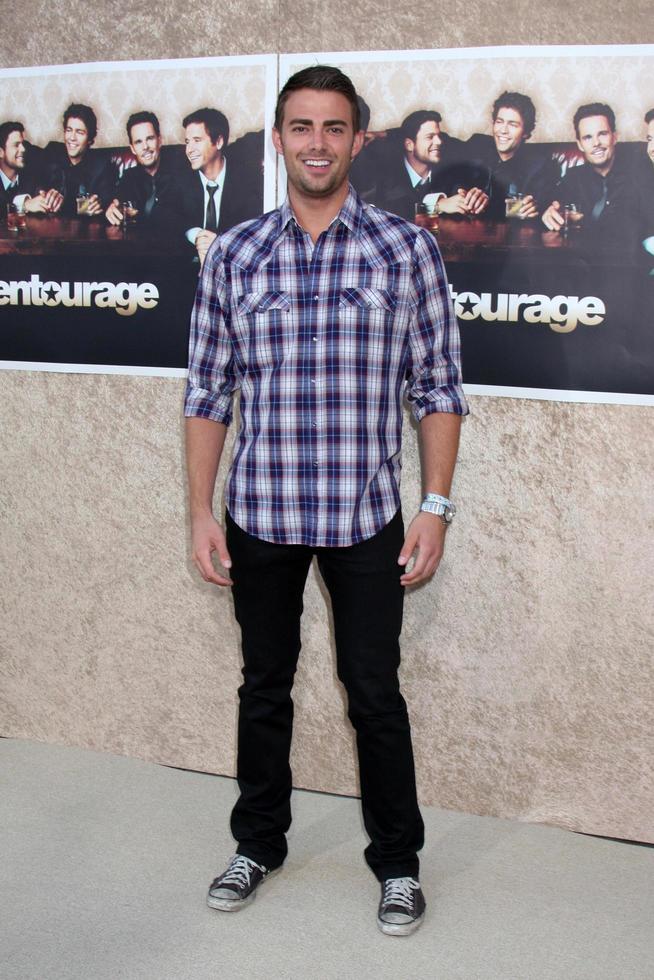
(102, 276)
(533, 168)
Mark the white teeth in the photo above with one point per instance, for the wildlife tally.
(317, 163)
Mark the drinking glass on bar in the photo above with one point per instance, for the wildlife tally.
(129, 212)
(572, 218)
(512, 205)
(16, 217)
(83, 203)
(426, 216)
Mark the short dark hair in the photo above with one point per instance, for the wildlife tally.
(214, 121)
(142, 117)
(320, 78)
(649, 116)
(364, 113)
(413, 123)
(594, 109)
(6, 129)
(522, 104)
(84, 112)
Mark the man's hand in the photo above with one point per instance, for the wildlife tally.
(552, 217)
(426, 537)
(207, 536)
(528, 207)
(36, 204)
(475, 200)
(113, 214)
(453, 205)
(202, 243)
(94, 206)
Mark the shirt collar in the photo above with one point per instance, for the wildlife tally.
(415, 177)
(6, 183)
(351, 214)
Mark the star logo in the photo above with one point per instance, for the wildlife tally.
(466, 307)
(51, 296)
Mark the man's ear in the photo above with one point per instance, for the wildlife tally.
(359, 139)
(277, 141)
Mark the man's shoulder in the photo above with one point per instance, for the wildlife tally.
(248, 243)
(387, 238)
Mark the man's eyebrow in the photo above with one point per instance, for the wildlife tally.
(309, 122)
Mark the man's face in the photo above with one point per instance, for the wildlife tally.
(317, 141)
(200, 151)
(426, 148)
(650, 140)
(145, 145)
(13, 157)
(76, 139)
(597, 142)
(508, 132)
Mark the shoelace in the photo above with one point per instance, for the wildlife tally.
(239, 871)
(398, 891)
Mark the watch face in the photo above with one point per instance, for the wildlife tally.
(449, 513)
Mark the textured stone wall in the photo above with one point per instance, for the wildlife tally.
(527, 663)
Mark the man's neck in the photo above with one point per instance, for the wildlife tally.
(74, 161)
(315, 214)
(214, 170)
(605, 170)
(152, 170)
(9, 172)
(422, 169)
(504, 156)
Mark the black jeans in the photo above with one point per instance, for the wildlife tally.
(366, 596)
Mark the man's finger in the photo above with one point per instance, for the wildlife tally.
(408, 548)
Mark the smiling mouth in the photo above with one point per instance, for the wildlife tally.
(316, 163)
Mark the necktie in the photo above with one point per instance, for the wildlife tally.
(152, 199)
(599, 206)
(211, 224)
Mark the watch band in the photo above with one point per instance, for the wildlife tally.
(440, 506)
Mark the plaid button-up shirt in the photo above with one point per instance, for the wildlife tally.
(323, 341)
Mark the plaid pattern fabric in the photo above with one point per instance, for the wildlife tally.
(323, 341)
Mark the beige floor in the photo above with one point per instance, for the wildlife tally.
(105, 863)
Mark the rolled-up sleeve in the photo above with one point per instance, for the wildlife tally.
(434, 370)
(211, 379)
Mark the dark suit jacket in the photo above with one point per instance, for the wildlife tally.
(26, 183)
(382, 178)
(242, 198)
(136, 185)
(620, 223)
(530, 170)
(95, 174)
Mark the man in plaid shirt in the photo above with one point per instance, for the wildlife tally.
(323, 314)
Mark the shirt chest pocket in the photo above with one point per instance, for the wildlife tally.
(366, 318)
(263, 329)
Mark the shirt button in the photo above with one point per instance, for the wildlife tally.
(315, 340)
(315, 462)
(313, 381)
(316, 298)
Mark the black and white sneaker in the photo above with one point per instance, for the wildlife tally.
(402, 906)
(236, 887)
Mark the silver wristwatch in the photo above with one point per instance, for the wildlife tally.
(440, 506)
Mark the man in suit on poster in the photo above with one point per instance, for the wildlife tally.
(513, 167)
(214, 195)
(603, 189)
(152, 186)
(427, 169)
(17, 184)
(76, 169)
